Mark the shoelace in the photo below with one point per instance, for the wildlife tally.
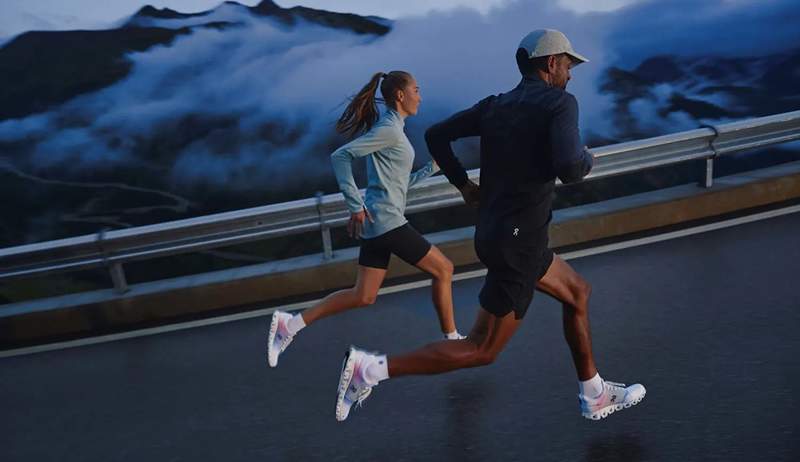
(609, 386)
(363, 396)
(616, 389)
(283, 337)
(285, 341)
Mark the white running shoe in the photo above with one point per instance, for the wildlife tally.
(353, 389)
(279, 337)
(615, 397)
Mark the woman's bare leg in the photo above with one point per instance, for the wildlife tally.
(362, 294)
(441, 268)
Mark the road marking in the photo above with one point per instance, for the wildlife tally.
(397, 288)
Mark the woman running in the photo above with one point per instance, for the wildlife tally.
(378, 220)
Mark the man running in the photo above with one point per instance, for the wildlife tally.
(529, 136)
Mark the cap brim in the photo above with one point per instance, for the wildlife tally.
(576, 58)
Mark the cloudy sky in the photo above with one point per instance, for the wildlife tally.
(17, 16)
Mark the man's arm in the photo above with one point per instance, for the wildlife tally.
(439, 136)
(571, 160)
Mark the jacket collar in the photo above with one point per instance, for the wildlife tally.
(533, 79)
(394, 115)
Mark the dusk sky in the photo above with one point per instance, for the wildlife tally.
(17, 16)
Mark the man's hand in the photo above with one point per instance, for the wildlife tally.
(356, 223)
(470, 193)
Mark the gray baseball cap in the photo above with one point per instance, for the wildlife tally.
(545, 42)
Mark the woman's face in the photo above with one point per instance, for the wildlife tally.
(409, 98)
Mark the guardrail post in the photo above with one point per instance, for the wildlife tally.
(114, 268)
(327, 245)
(118, 277)
(708, 180)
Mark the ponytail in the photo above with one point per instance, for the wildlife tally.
(362, 112)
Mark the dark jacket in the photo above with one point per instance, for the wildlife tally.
(529, 136)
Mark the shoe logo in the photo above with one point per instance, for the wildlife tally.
(613, 398)
(516, 231)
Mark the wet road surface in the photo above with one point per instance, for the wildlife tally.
(708, 323)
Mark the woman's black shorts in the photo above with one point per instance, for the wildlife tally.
(512, 274)
(405, 242)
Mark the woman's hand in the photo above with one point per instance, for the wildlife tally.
(356, 223)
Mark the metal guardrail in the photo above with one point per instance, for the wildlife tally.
(111, 249)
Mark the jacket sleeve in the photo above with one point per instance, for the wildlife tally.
(460, 125)
(426, 171)
(571, 161)
(377, 138)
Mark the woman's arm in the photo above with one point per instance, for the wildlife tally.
(427, 170)
(375, 139)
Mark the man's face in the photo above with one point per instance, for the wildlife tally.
(559, 71)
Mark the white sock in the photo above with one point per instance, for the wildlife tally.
(453, 335)
(592, 387)
(376, 370)
(295, 324)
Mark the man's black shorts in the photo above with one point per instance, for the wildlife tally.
(513, 272)
(405, 242)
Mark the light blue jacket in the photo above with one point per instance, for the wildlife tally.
(389, 162)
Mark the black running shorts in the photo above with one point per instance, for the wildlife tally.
(512, 274)
(405, 242)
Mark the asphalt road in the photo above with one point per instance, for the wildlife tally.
(708, 323)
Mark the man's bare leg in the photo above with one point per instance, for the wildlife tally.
(441, 269)
(567, 286)
(362, 370)
(599, 398)
(489, 336)
(487, 339)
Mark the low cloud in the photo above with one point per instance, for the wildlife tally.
(254, 105)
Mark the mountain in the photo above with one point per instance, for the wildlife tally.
(685, 92)
(173, 115)
(39, 70)
(289, 16)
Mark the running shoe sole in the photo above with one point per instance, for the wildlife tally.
(608, 410)
(273, 328)
(345, 377)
